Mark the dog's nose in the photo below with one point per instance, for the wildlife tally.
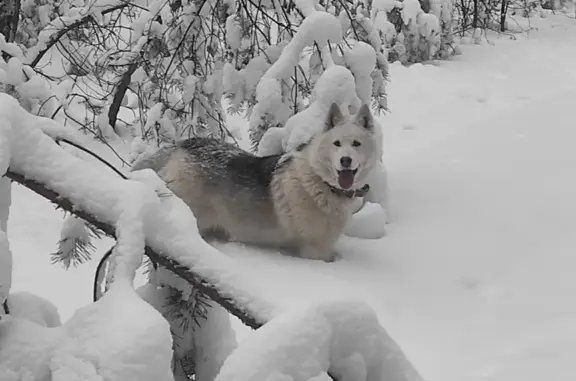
(345, 161)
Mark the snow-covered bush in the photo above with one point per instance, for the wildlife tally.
(415, 31)
(473, 18)
(165, 77)
(35, 15)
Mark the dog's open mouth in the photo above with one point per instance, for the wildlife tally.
(346, 178)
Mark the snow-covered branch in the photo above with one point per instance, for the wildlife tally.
(182, 271)
(41, 165)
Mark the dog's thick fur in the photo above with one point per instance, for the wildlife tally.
(292, 201)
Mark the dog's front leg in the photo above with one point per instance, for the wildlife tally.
(312, 250)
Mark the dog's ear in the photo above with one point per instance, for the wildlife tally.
(334, 116)
(364, 117)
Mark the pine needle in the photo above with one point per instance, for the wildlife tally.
(75, 247)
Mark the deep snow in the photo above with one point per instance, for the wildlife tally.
(474, 279)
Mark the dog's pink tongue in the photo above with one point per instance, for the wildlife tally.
(345, 179)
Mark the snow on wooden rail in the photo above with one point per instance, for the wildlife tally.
(345, 338)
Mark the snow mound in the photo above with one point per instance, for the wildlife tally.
(344, 338)
(120, 337)
(24, 305)
(368, 223)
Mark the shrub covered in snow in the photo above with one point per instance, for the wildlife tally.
(415, 31)
(170, 74)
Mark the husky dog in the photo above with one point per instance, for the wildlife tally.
(299, 201)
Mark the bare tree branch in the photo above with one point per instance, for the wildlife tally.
(56, 38)
(119, 95)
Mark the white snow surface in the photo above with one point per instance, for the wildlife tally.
(304, 341)
(475, 278)
(116, 338)
(34, 308)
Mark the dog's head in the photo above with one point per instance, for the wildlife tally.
(345, 152)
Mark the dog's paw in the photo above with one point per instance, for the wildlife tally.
(336, 256)
(313, 252)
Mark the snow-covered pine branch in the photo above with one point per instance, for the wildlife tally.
(75, 246)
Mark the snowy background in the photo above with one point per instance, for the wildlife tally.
(474, 279)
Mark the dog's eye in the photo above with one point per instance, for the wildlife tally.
(337, 143)
(356, 143)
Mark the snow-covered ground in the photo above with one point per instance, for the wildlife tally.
(475, 277)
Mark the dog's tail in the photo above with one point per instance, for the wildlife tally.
(155, 161)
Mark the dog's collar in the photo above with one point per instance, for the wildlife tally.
(349, 193)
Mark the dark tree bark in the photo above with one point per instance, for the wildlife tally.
(503, 12)
(119, 95)
(464, 7)
(425, 5)
(475, 17)
(9, 16)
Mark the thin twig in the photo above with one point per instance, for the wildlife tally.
(54, 39)
(96, 156)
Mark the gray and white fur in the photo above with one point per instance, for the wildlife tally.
(300, 202)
